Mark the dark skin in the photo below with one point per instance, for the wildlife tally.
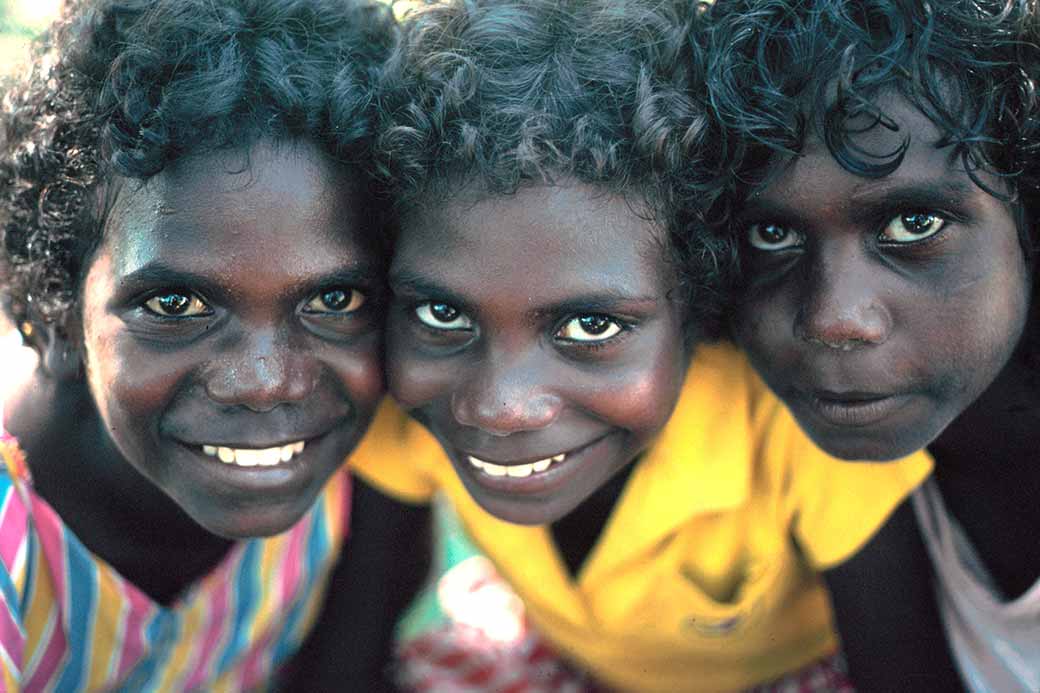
(885, 312)
(203, 393)
(529, 327)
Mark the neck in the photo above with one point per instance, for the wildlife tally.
(114, 510)
(987, 470)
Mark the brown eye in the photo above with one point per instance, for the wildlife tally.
(589, 328)
(177, 305)
(338, 301)
(773, 237)
(442, 316)
(915, 226)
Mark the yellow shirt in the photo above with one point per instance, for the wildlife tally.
(704, 578)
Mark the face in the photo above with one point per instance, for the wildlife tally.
(534, 335)
(879, 309)
(230, 336)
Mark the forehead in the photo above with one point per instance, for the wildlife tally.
(285, 205)
(544, 239)
(817, 174)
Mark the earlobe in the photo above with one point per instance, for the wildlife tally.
(60, 352)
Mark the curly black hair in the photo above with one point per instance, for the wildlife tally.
(505, 93)
(780, 68)
(122, 88)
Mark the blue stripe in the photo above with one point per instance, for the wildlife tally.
(246, 593)
(81, 585)
(10, 595)
(316, 562)
(32, 560)
(156, 650)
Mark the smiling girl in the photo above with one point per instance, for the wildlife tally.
(889, 231)
(643, 493)
(196, 266)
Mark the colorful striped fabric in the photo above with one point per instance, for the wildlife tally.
(69, 622)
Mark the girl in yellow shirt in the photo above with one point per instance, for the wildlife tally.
(643, 493)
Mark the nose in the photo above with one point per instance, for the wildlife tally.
(260, 370)
(843, 307)
(502, 395)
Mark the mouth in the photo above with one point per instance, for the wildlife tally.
(517, 471)
(854, 409)
(254, 457)
(531, 475)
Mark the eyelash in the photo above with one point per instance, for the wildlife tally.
(879, 224)
(167, 291)
(625, 327)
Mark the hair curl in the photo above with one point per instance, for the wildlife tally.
(505, 93)
(779, 68)
(125, 87)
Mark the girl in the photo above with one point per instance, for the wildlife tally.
(888, 225)
(549, 297)
(196, 266)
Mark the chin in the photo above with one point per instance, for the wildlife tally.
(877, 447)
(249, 524)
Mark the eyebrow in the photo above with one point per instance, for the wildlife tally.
(162, 274)
(604, 301)
(878, 194)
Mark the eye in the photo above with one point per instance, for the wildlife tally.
(338, 301)
(174, 304)
(908, 228)
(773, 237)
(442, 316)
(589, 328)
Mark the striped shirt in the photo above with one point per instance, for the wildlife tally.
(70, 622)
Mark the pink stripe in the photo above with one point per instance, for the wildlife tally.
(51, 660)
(140, 612)
(291, 567)
(12, 528)
(219, 619)
(255, 669)
(52, 542)
(11, 637)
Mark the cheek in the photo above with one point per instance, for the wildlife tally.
(761, 327)
(360, 370)
(640, 398)
(130, 385)
(415, 381)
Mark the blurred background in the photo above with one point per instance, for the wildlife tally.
(20, 20)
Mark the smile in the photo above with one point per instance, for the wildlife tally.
(252, 457)
(515, 470)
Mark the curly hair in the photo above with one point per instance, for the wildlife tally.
(125, 87)
(778, 68)
(505, 93)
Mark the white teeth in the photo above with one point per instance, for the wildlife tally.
(247, 457)
(518, 471)
(494, 469)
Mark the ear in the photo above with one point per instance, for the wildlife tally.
(61, 355)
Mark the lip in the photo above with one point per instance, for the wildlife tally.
(538, 483)
(853, 409)
(260, 483)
